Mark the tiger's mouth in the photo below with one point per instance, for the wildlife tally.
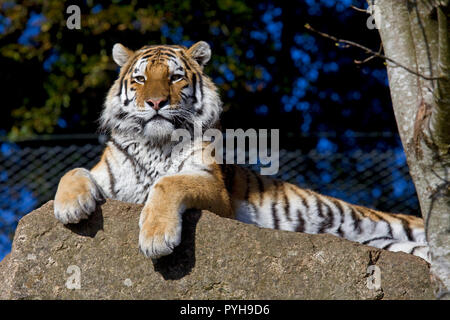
(159, 117)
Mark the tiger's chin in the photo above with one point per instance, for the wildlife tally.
(158, 130)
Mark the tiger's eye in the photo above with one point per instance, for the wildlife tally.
(139, 79)
(176, 77)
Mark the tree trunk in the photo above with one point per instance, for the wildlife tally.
(415, 34)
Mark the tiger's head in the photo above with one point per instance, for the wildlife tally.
(161, 88)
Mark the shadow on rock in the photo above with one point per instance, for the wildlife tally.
(180, 263)
(88, 227)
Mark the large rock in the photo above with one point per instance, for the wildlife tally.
(218, 259)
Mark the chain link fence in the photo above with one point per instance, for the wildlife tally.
(29, 175)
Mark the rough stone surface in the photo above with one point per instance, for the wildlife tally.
(217, 259)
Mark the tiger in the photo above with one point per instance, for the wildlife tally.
(162, 88)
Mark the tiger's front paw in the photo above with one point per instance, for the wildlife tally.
(77, 196)
(158, 236)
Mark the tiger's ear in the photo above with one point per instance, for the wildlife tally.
(200, 52)
(121, 54)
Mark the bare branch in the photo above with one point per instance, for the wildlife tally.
(369, 58)
(358, 9)
(370, 51)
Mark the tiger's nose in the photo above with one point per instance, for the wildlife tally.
(157, 104)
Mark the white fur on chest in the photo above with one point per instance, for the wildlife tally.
(132, 167)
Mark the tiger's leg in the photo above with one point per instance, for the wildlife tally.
(160, 220)
(79, 193)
